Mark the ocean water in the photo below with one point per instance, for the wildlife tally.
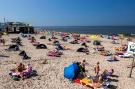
(93, 29)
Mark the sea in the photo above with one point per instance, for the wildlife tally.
(91, 29)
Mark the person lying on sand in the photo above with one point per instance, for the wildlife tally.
(112, 58)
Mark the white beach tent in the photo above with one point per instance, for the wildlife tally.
(130, 50)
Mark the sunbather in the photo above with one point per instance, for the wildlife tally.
(106, 74)
(83, 65)
(112, 58)
(21, 67)
(33, 39)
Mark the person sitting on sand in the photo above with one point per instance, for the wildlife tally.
(21, 67)
(82, 70)
(105, 74)
(83, 65)
(97, 69)
(33, 39)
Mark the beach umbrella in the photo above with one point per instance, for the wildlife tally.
(71, 71)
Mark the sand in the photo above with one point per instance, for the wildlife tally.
(50, 75)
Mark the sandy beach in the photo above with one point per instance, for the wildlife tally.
(51, 75)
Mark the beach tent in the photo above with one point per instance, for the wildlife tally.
(131, 48)
(41, 46)
(82, 50)
(43, 37)
(13, 48)
(96, 42)
(71, 71)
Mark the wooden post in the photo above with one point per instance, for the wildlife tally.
(130, 74)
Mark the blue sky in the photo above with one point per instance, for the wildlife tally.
(69, 12)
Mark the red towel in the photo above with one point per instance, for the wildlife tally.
(77, 81)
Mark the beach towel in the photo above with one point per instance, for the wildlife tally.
(86, 81)
(77, 80)
(54, 54)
